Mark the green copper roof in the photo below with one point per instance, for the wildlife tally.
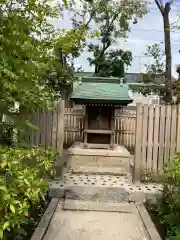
(100, 91)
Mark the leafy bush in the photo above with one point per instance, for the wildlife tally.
(23, 184)
(169, 204)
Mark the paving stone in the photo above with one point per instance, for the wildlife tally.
(92, 225)
(98, 193)
(52, 206)
(81, 205)
(39, 233)
(154, 235)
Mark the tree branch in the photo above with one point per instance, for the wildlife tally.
(90, 18)
(160, 6)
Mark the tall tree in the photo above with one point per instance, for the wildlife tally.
(153, 78)
(112, 63)
(28, 41)
(26, 38)
(165, 10)
(112, 21)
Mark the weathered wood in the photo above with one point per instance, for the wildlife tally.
(161, 137)
(167, 134)
(98, 131)
(155, 134)
(150, 138)
(54, 128)
(85, 127)
(37, 123)
(43, 127)
(60, 128)
(144, 138)
(137, 163)
(173, 131)
(156, 139)
(178, 130)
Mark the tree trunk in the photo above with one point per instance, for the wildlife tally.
(167, 39)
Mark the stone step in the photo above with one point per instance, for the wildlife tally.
(101, 188)
(116, 194)
(81, 205)
(114, 171)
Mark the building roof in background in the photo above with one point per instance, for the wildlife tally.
(108, 90)
(129, 77)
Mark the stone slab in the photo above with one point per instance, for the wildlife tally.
(151, 229)
(116, 171)
(92, 225)
(118, 151)
(80, 205)
(116, 194)
(45, 220)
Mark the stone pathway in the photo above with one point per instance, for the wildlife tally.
(96, 225)
(99, 207)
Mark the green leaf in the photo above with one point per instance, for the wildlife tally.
(65, 3)
(1, 233)
(5, 225)
(3, 188)
(26, 181)
(12, 208)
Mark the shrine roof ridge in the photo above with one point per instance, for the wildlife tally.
(95, 88)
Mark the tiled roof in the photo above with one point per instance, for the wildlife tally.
(100, 91)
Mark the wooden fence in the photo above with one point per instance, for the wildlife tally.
(157, 137)
(151, 133)
(48, 122)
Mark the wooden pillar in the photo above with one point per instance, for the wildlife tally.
(85, 126)
(60, 137)
(138, 143)
(112, 128)
(178, 129)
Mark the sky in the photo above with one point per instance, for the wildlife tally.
(147, 31)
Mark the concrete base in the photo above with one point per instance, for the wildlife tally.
(97, 160)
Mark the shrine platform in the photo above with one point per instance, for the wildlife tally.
(99, 159)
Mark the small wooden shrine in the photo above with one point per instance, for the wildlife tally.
(100, 97)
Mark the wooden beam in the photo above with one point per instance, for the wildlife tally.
(60, 138)
(85, 126)
(178, 130)
(98, 131)
(60, 133)
(138, 143)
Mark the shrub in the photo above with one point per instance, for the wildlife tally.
(169, 204)
(22, 186)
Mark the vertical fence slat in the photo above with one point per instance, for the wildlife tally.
(150, 137)
(178, 130)
(46, 129)
(161, 137)
(167, 134)
(173, 131)
(60, 127)
(37, 134)
(156, 139)
(43, 128)
(137, 163)
(144, 138)
(51, 127)
(54, 128)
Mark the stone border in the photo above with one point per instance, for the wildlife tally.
(45, 220)
(146, 219)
